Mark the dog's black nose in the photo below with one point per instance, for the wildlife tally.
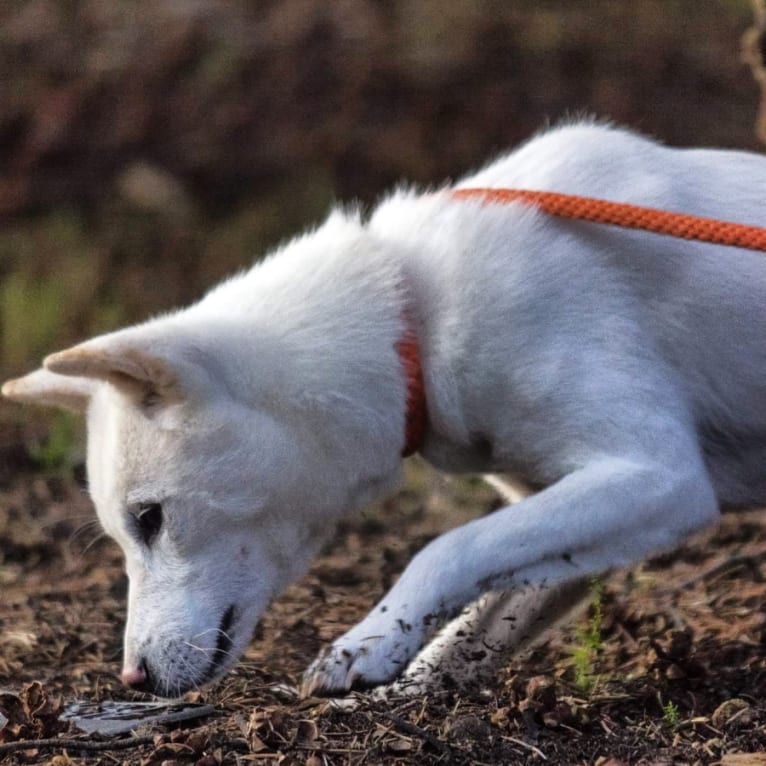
(137, 677)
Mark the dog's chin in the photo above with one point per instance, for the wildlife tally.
(234, 633)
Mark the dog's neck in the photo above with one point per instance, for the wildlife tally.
(415, 413)
(341, 345)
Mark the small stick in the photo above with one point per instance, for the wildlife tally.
(76, 744)
(539, 753)
(735, 562)
(410, 728)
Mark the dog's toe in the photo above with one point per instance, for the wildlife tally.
(329, 674)
(343, 667)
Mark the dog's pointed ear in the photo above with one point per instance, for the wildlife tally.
(127, 361)
(45, 387)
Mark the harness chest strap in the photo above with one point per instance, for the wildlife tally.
(574, 207)
(415, 413)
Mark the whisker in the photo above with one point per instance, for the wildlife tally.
(213, 630)
(48, 523)
(85, 527)
(201, 649)
(192, 676)
(207, 651)
(94, 541)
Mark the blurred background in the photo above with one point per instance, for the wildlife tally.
(148, 149)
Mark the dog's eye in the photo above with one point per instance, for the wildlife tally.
(148, 519)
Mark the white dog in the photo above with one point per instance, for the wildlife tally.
(621, 375)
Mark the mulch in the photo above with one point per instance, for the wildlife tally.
(676, 672)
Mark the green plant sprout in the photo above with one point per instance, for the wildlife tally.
(671, 714)
(589, 641)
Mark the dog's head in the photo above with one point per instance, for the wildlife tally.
(216, 504)
(201, 495)
(219, 463)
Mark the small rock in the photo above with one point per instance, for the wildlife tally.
(674, 672)
(733, 710)
(399, 745)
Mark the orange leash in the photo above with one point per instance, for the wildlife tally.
(629, 216)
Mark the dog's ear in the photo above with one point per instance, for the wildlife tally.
(124, 360)
(44, 387)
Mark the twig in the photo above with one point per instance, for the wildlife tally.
(410, 728)
(520, 742)
(76, 744)
(750, 561)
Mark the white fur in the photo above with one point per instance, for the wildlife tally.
(620, 373)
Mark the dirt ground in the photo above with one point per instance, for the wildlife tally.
(667, 667)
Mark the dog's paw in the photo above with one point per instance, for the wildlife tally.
(363, 663)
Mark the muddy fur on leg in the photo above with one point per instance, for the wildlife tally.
(470, 650)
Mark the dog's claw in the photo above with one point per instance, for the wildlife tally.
(327, 675)
(350, 665)
(332, 674)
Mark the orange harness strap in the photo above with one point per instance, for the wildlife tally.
(415, 412)
(629, 216)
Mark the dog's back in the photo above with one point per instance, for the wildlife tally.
(707, 303)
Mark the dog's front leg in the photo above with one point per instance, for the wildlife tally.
(608, 513)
